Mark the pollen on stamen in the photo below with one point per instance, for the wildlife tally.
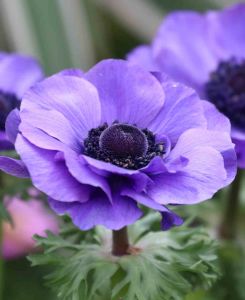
(123, 145)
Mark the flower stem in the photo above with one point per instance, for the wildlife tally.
(120, 243)
(227, 229)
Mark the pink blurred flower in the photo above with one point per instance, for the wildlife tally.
(29, 218)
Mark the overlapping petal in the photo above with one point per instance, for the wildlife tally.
(134, 90)
(73, 97)
(99, 211)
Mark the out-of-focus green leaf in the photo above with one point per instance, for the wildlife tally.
(52, 43)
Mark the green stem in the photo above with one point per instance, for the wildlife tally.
(228, 226)
(120, 243)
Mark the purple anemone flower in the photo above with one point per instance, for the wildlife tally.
(119, 137)
(17, 74)
(206, 52)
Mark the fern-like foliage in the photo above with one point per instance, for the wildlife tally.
(166, 266)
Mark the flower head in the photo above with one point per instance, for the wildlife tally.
(17, 74)
(206, 52)
(102, 143)
(28, 218)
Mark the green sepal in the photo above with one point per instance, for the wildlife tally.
(165, 265)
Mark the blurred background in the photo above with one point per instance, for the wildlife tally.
(78, 33)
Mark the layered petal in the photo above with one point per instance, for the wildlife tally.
(127, 92)
(73, 97)
(197, 181)
(49, 175)
(215, 119)
(182, 110)
(99, 211)
(52, 123)
(220, 141)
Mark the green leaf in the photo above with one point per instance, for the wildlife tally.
(167, 265)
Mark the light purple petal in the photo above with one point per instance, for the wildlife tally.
(13, 167)
(53, 123)
(40, 139)
(182, 110)
(72, 72)
(12, 125)
(229, 31)
(49, 175)
(198, 181)
(75, 98)
(99, 211)
(183, 48)
(220, 141)
(18, 73)
(127, 92)
(142, 56)
(215, 119)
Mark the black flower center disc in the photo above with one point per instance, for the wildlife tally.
(7, 103)
(123, 145)
(226, 89)
(122, 140)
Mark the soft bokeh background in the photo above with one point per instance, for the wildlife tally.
(78, 33)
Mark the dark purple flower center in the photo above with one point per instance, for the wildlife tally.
(7, 103)
(123, 145)
(226, 89)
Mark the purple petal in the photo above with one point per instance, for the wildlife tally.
(51, 122)
(73, 97)
(49, 175)
(18, 73)
(169, 218)
(220, 141)
(99, 211)
(238, 137)
(12, 125)
(229, 30)
(127, 92)
(13, 167)
(143, 56)
(215, 119)
(196, 182)
(183, 48)
(40, 139)
(182, 110)
(72, 72)
(5, 144)
(78, 168)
